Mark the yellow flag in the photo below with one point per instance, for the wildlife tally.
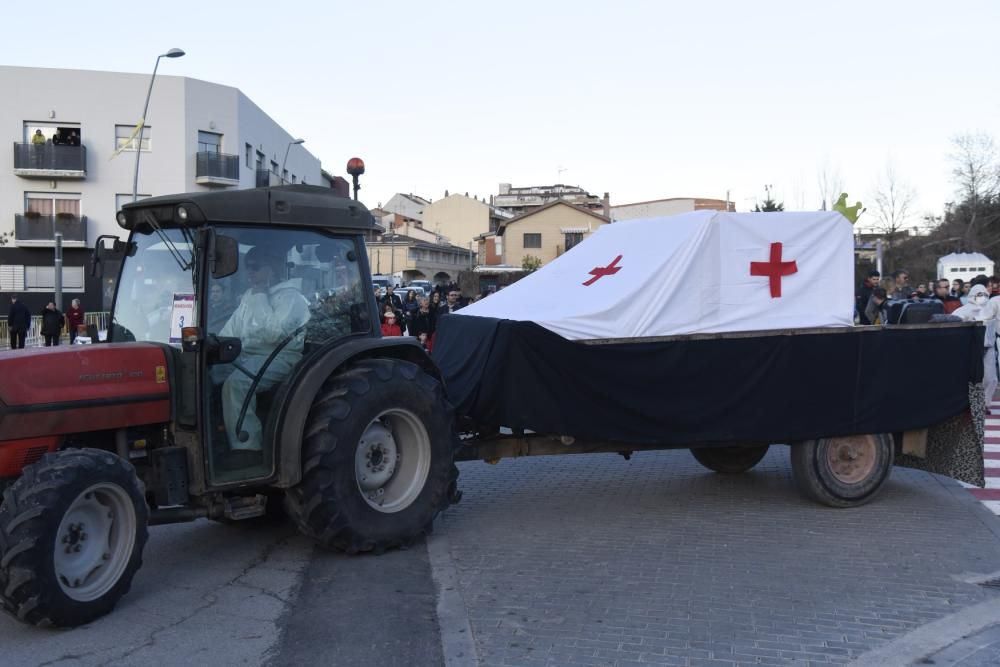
(128, 142)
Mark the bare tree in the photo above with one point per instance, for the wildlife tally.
(798, 192)
(893, 200)
(976, 169)
(829, 183)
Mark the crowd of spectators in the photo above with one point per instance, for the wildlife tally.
(875, 292)
(417, 315)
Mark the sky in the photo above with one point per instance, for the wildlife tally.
(644, 100)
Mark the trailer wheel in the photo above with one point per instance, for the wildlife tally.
(72, 530)
(729, 460)
(378, 458)
(842, 472)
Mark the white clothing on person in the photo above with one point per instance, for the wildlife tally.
(261, 322)
(982, 308)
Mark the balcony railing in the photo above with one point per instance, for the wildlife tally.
(213, 168)
(50, 161)
(40, 230)
(267, 178)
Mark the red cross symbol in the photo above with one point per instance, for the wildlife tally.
(600, 271)
(774, 269)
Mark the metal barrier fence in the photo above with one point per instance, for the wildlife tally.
(101, 320)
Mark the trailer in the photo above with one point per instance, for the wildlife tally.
(707, 369)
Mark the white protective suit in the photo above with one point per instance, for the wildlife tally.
(261, 322)
(980, 307)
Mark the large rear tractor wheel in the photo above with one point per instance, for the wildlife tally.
(72, 530)
(378, 458)
(842, 472)
(729, 460)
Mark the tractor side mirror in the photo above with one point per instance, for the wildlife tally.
(102, 252)
(222, 350)
(225, 255)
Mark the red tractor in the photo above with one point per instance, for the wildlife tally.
(244, 371)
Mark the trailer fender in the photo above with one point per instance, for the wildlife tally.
(297, 395)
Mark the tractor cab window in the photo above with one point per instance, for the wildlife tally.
(293, 292)
(156, 294)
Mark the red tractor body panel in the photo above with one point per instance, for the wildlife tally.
(53, 391)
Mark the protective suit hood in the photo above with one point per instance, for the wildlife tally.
(979, 296)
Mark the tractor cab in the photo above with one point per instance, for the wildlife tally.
(244, 287)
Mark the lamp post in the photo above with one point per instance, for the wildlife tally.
(296, 142)
(172, 53)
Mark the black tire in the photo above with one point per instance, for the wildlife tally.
(33, 586)
(328, 503)
(729, 460)
(842, 472)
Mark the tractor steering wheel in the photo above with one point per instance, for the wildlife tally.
(257, 377)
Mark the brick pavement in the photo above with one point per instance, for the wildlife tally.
(594, 560)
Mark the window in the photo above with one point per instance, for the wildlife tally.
(533, 240)
(294, 180)
(249, 152)
(260, 160)
(124, 140)
(284, 175)
(61, 134)
(209, 142)
(48, 204)
(43, 278)
(274, 167)
(572, 238)
(11, 278)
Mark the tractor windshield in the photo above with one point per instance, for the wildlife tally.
(155, 295)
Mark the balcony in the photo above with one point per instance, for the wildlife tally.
(50, 161)
(38, 231)
(267, 178)
(213, 168)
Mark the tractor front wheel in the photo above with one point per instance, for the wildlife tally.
(378, 458)
(72, 530)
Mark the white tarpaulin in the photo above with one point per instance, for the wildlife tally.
(697, 272)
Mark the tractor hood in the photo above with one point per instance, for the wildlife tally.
(78, 388)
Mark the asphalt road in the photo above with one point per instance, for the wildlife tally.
(582, 560)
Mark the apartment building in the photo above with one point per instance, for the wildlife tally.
(520, 200)
(73, 159)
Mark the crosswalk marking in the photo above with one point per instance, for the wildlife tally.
(990, 496)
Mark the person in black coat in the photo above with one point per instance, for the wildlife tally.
(422, 321)
(52, 324)
(18, 322)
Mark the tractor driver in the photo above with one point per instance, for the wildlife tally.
(267, 313)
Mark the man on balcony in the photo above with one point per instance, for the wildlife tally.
(38, 139)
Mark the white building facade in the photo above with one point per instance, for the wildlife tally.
(72, 163)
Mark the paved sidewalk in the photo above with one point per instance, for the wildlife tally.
(594, 560)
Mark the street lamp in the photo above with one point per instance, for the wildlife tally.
(172, 53)
(295, 142)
